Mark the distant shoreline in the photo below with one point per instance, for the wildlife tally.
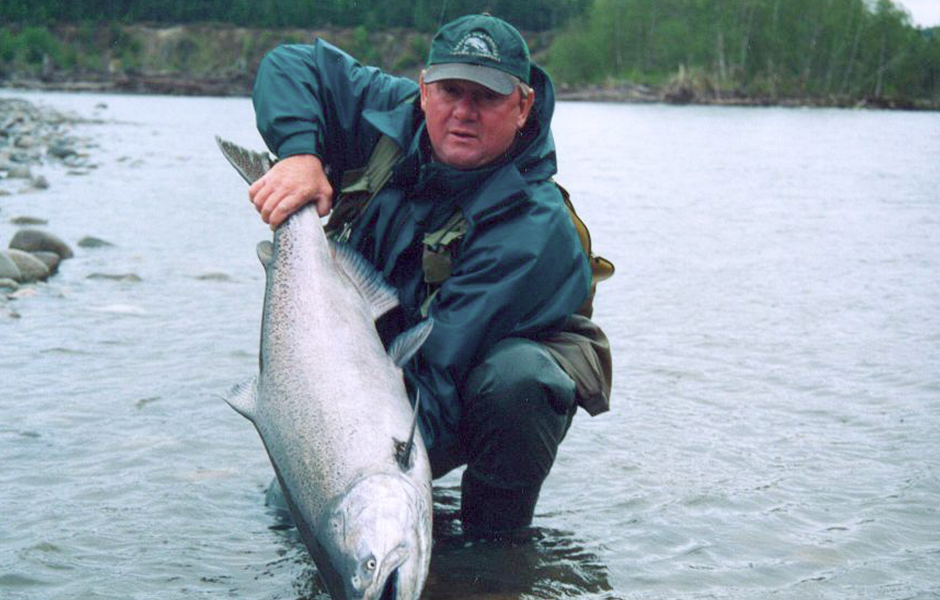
(211, 59)
(625, 93)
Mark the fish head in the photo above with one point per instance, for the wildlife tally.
(377, 540)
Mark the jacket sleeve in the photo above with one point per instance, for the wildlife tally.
(519, 272)
(309, 99)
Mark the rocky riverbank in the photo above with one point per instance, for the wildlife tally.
(32, 139)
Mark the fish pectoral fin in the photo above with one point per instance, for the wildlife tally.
(244, 398)
(379, 295)
(408, 342)
(265, 250)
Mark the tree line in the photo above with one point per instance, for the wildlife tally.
(772, 48)
(828, 49)
(426, 15)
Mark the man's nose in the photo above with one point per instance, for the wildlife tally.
(466, 108)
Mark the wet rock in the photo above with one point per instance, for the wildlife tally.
(40, 183)
(8, 285)
(8, 268)
(214, 277)
(93, 242)
(23, 292)
(61, 150)
(26, 142)
(26, 220)
(50, 259)
(31, 268)
(19, 172)
(126, 277)
(34, 240)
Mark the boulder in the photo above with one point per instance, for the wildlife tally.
(28, 221)
(8, 268)
(26, 142)
(34, 240)
(50, 259)
(8, 285)
(214, 277)
(60, 149)
(93, 242)
(19, 172)
(126, 277)
(31, 268)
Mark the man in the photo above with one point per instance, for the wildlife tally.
(468, 197)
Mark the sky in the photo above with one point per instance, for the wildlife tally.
(924, 13)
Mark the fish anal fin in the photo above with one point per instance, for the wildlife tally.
(408, 342)
(380, 296)
(244, 398)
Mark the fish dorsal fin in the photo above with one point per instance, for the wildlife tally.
(380, 296)
(250, 165)
(265, 250)
(403, 450)
(408, 342)
(244, 398)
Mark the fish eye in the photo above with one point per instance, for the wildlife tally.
(371, 564)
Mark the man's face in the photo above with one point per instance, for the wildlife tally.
(470, 125)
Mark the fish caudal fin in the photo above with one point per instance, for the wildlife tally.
(244, 398)
(250, 165)
(380, 296)
(408, 342)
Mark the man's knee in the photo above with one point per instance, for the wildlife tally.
(518, 404)
(518, 377)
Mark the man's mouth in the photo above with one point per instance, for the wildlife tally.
(464, 135)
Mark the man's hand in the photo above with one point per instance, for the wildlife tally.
(290, 184)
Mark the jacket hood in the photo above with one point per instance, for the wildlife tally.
(535, 156)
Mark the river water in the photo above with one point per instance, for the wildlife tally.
(775, 321)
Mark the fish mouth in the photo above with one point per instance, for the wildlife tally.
(390, 591)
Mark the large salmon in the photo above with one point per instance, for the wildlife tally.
(331, 407)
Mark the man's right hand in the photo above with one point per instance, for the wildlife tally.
(290, 184)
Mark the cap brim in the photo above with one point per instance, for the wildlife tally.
(494, 79)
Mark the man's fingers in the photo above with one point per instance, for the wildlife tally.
(259, 192)
(289, 185)
(270, 204)
(284, 208)
(324, 204)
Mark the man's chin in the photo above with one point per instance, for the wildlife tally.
(463, 159)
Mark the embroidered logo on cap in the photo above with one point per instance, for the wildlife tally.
(477, 43)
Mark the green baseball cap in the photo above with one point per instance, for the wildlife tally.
(479, 48)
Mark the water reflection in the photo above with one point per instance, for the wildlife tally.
(535, 563)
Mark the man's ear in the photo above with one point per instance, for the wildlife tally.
(424, 91)
(525, 108)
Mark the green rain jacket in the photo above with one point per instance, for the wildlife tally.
(519, 271)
